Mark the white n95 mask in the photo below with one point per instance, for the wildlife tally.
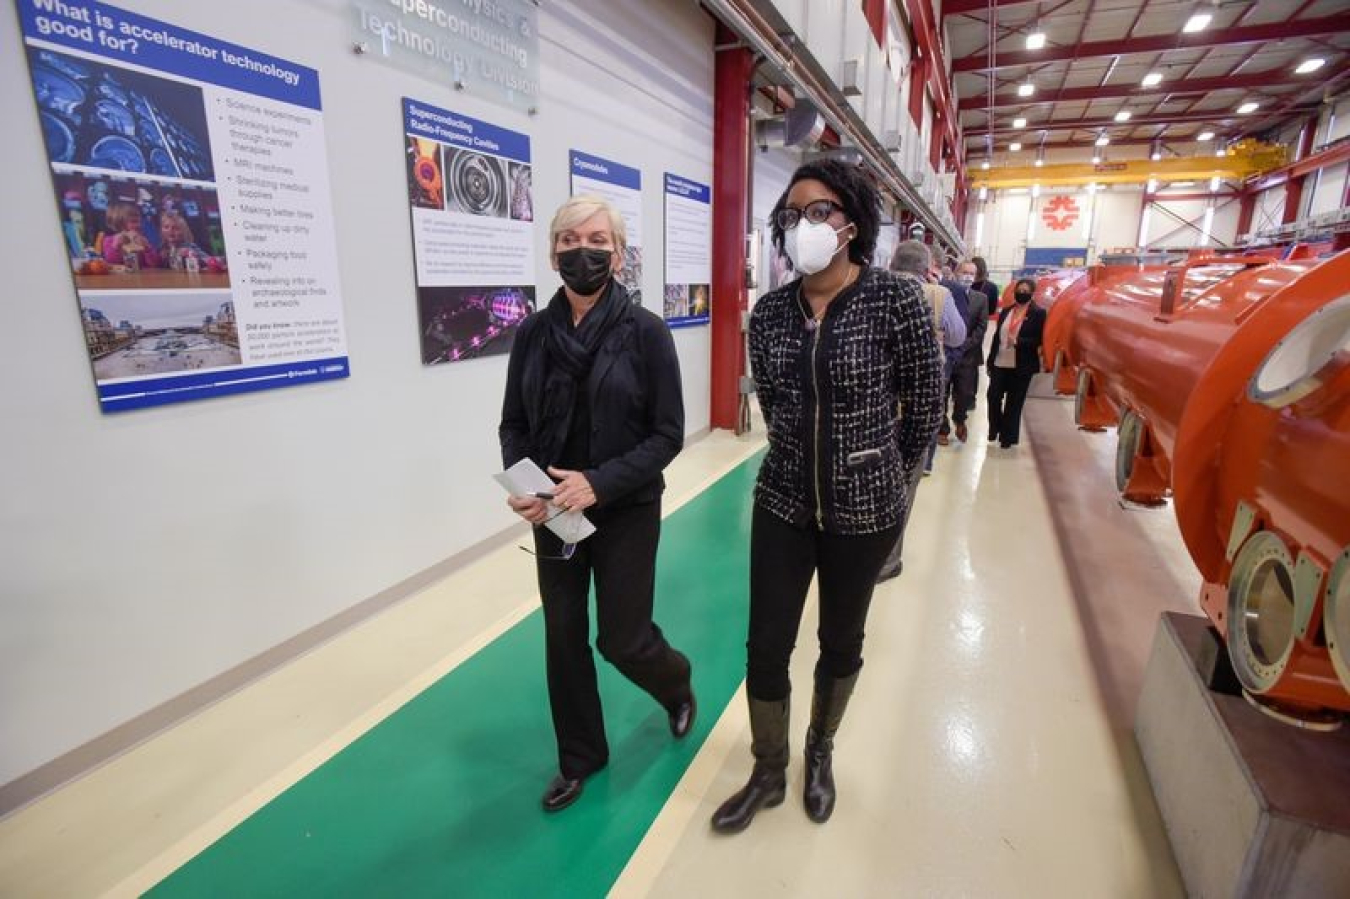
(812, 245)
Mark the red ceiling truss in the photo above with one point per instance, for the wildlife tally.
(1098, 51)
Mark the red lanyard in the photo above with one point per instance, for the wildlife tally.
(1015, 324)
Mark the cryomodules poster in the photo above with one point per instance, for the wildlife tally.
(688, 251)
(470, 187)
(192, 183)
(622, 186)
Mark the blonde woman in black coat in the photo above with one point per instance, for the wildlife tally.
(593, 396)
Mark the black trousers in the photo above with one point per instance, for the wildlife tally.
(783, 559)
(1007, 394)
(965, 385)
(959, 391)
(622, 556)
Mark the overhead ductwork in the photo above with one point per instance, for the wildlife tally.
(800, 126)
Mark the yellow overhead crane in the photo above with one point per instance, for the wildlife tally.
(1242, 160)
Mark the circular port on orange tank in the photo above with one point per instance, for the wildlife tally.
(1336, 614)
(1300, 363)
(1261, 612)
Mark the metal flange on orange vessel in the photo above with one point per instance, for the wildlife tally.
(1228, 378)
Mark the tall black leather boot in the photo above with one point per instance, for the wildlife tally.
(768, 782)
(827, 710)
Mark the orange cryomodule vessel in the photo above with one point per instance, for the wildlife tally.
(1229, 381)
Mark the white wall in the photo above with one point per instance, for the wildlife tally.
(145, 553)
(1115, 218)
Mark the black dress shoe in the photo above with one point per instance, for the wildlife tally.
(682, 717)
(562, 792)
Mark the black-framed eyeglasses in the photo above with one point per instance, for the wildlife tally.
(568, 549)
(565, 554)
(815, 212)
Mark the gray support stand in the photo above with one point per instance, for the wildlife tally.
(1253, 807)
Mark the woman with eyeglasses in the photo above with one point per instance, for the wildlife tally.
(834, 355)
(593, 397)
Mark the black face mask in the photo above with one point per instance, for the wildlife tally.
(1022, 297)
(584, 269)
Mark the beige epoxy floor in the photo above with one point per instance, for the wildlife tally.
(982, 755)
(987, 751)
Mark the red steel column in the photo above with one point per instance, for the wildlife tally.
(875, 11)
(1293, 189)
(733, 69)
(918, 83)
(1246, 210)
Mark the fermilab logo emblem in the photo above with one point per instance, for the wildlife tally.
(1060, 213)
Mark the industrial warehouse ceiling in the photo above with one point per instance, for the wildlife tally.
(1140, 72)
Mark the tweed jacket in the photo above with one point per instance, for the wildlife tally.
(839, 458)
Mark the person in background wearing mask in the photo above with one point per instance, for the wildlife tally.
(983, 284)
(965, 380)
(1014, 359)
(834, 354)
(593, 396)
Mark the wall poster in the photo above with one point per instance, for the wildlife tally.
(688, 251)
(471, 192)
(191, 179)
(622, 186)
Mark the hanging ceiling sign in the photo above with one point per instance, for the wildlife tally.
(487, 48)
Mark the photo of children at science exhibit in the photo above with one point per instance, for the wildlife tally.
(107, 117)
(127, 233)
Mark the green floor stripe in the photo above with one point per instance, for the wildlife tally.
(442, 798)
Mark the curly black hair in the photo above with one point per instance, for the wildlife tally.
(1030, 282)
(857, 194)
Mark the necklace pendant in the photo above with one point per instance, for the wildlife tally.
(812, 324)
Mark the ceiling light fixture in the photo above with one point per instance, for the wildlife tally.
(1310, 65)
(1096, 160)
(1152, 79)
(1198, 22)
(1205, 135)
(1040, 162)
(985, 165)
(1103, 141)
(1123, 115)
(1036, 40)
(1249, 106)
(1026, 90)
(1014, 146)
(1019, 122)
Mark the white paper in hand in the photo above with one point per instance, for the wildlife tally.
(525, 478)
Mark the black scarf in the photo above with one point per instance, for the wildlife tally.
(570, 354)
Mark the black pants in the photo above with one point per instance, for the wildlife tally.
(1007, 393)
(965, 385)
(783, 559)
(896, 555)
(622, 555)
